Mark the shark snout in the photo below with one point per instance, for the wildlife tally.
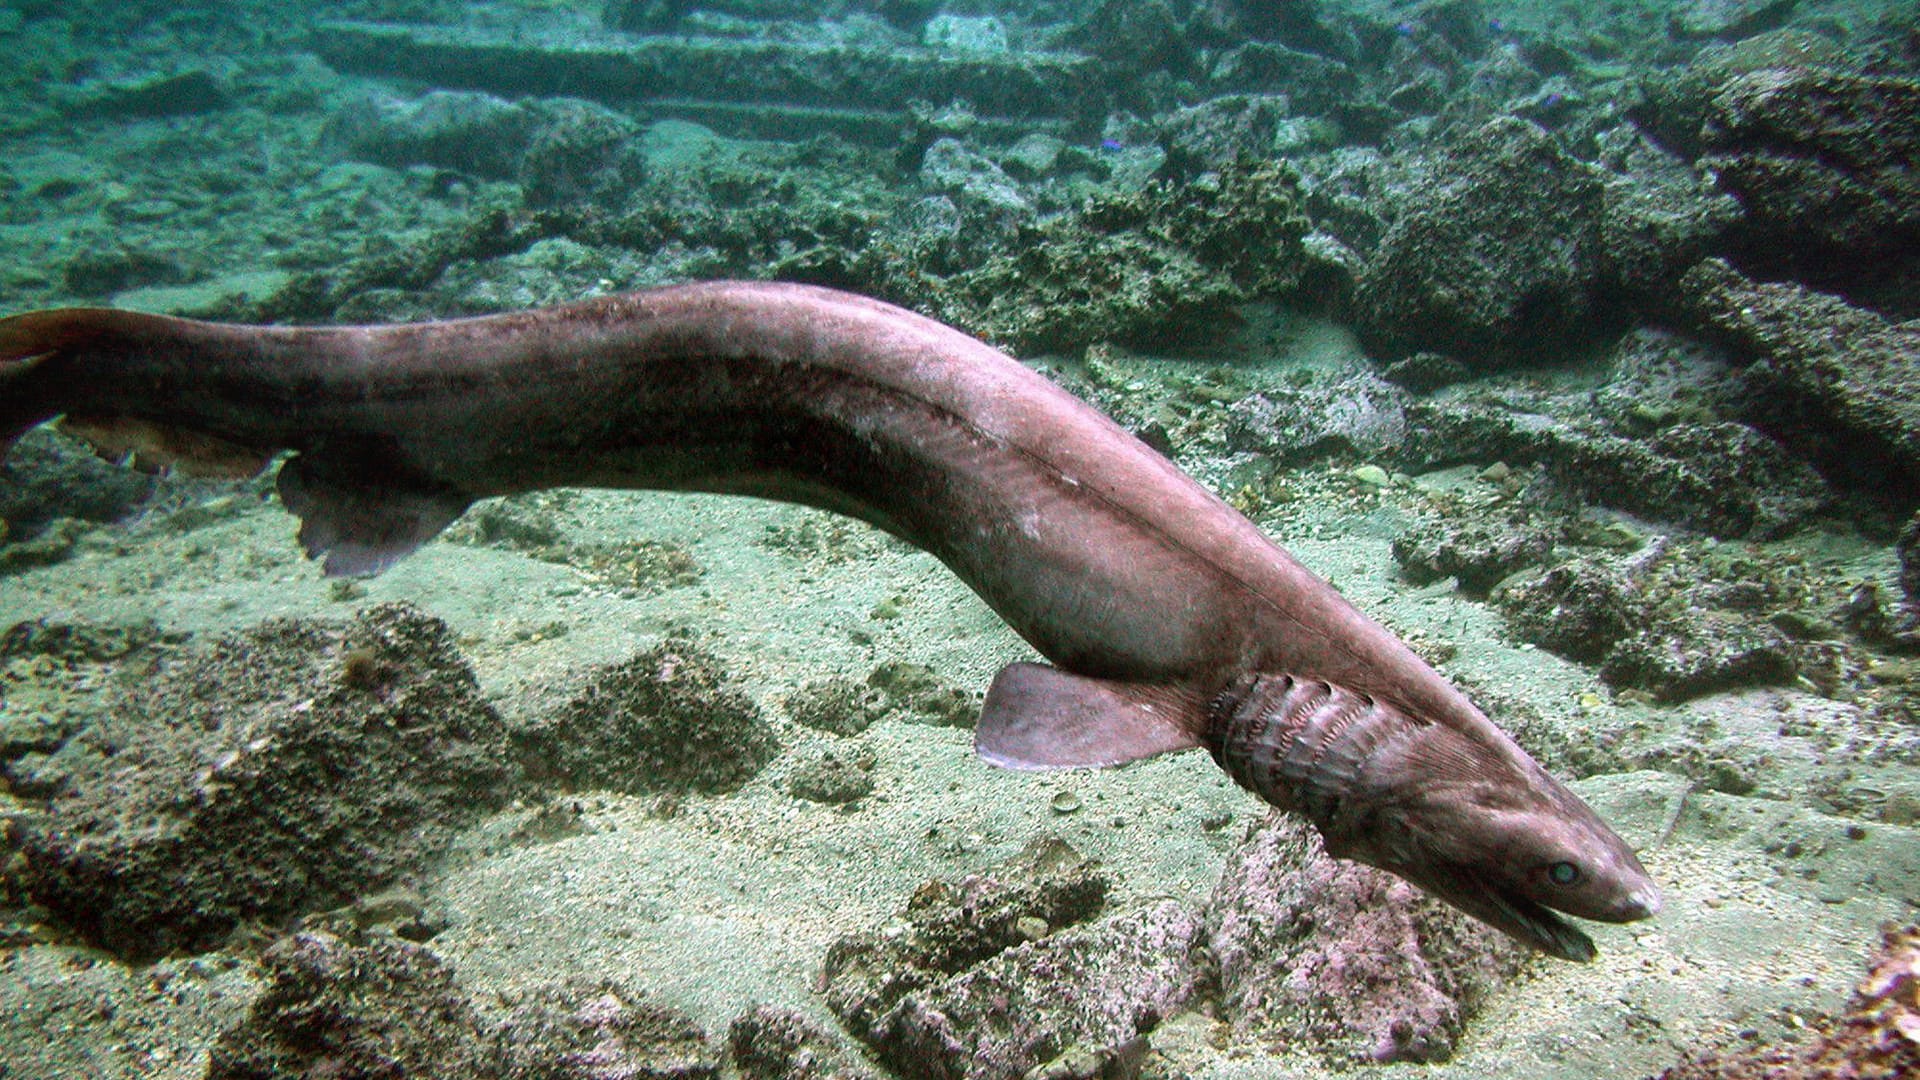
(1642, 903)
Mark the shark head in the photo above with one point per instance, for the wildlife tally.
(1455, 808)
(1483, 827)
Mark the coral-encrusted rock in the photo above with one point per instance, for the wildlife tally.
(770, 1043)
(669, 719)
(1495, 256)
(330, 1008)
(597, 1030)
(288, 768)
(1316, 951)
(988, 978)
(1838, 381)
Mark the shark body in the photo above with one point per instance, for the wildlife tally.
(1170, 621)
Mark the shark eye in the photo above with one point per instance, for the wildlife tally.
(1563, 873)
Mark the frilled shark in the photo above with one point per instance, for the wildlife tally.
(1171, 621)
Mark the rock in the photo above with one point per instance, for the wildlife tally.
(1495, 255)
(284, 769)
(590, 1029)
(119, 267)
(1133, 37)
(462, 130)
(1579, 609)
(1088, 994)
(832, 778)
(838, 706)
(770, 1043)
(580, 152)
(957, 988)
(1722, 477)
(1351, 412)
(1659, 378)
(186, 93)
(1034, 156)
(1313, 83)
(1728, 19)
(1222, 131)
(1677, 100)
(916, 691)
(952, 167)
(1837, 381)
(964, 35)
(1822, 163)
(331, 1008)
(1478, 553)
(1690, 653)
(1660, 215)
(1424, 372)
(668, 719)
(48, 476)
(1348, 960)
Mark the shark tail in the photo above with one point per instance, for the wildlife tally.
(38, 351)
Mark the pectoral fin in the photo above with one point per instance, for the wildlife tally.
(1039, 717)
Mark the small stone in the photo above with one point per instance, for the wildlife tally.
(1370, 476)
(1065, 802)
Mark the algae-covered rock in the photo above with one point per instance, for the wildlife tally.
(48, 476)
(1318, 952)
(833, 778)
(1349, 412)
(1579, 609)
(1724, 477)
(1495, 255)
(1695, 652)
(283, 769)
(668, 719)
(1140, 265)
(839, 706)
(1838, 381)
(328, 1007)
(1478, 554)
(1000, 974)
(1822, 162)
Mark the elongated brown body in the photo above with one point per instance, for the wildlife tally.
(1156, 602)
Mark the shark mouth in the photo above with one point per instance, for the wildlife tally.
(1532, 923)
(1524, 920)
